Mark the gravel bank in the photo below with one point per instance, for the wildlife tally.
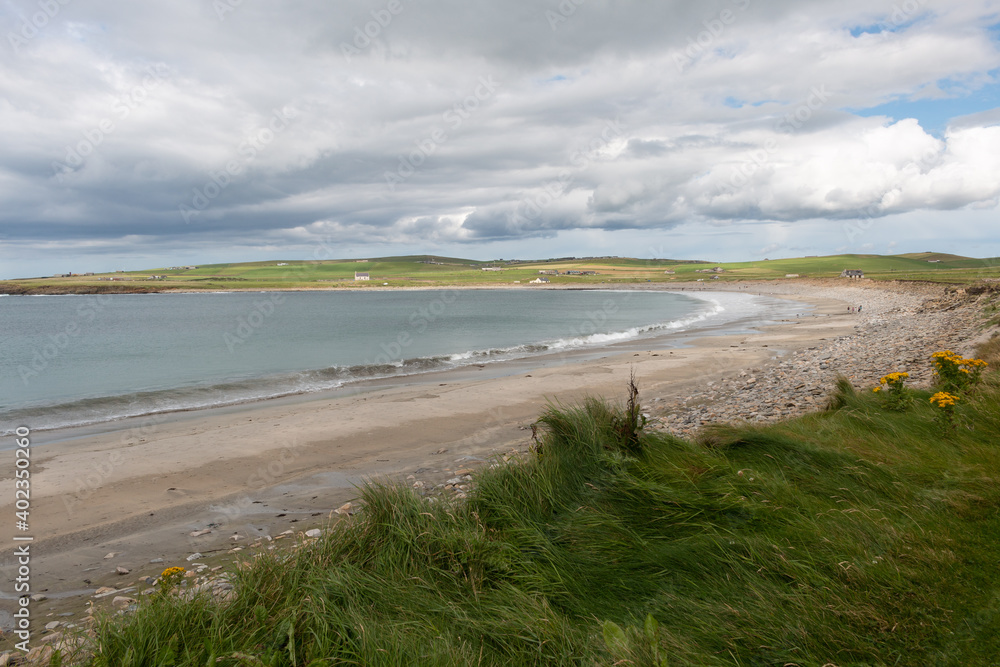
(898, 327)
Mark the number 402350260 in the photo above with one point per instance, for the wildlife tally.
(22, 483)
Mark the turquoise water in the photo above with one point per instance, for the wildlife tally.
(72, 360)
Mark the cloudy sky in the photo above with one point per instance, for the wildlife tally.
(144, 134)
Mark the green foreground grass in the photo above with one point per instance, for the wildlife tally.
(852, 536)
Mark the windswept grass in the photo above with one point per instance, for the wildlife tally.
(854, 536)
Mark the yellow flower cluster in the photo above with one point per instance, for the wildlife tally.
(943, 399)
(892, 381)
(171, 571)
(949, 357)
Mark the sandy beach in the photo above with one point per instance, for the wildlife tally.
(139, 489)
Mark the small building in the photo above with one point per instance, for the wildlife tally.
(361, 276)
(854, 274)
(492, 268)
(715, 277)
(668, 272)
(791, 275)
(282, 263)
(539, 281)
(549, 272)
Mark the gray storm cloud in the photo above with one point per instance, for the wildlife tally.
(443, 121)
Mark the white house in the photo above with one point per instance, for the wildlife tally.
(361, 276)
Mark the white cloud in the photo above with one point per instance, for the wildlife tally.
(751, 124)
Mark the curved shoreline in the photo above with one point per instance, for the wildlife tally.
(78, 416)
(139, 490)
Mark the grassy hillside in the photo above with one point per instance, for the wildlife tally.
(853, 536)
(432, 271)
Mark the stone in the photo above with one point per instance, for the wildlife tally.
(121, 601)
(346, 508)
(199, 533)
(111, 555)
(122, 570)
(53, 625)
(104, 590)
(155, 561)
(39, 597)
(315, 532)
(40, 655)
(194, 556)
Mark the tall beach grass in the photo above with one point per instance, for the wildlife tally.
(852, 536)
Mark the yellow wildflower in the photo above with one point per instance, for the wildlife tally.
(943, 399)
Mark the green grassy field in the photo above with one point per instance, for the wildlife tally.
(853, 536)
(430, 271)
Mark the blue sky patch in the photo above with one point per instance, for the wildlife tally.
(935, 114)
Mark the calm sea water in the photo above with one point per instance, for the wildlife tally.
(79, 359)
